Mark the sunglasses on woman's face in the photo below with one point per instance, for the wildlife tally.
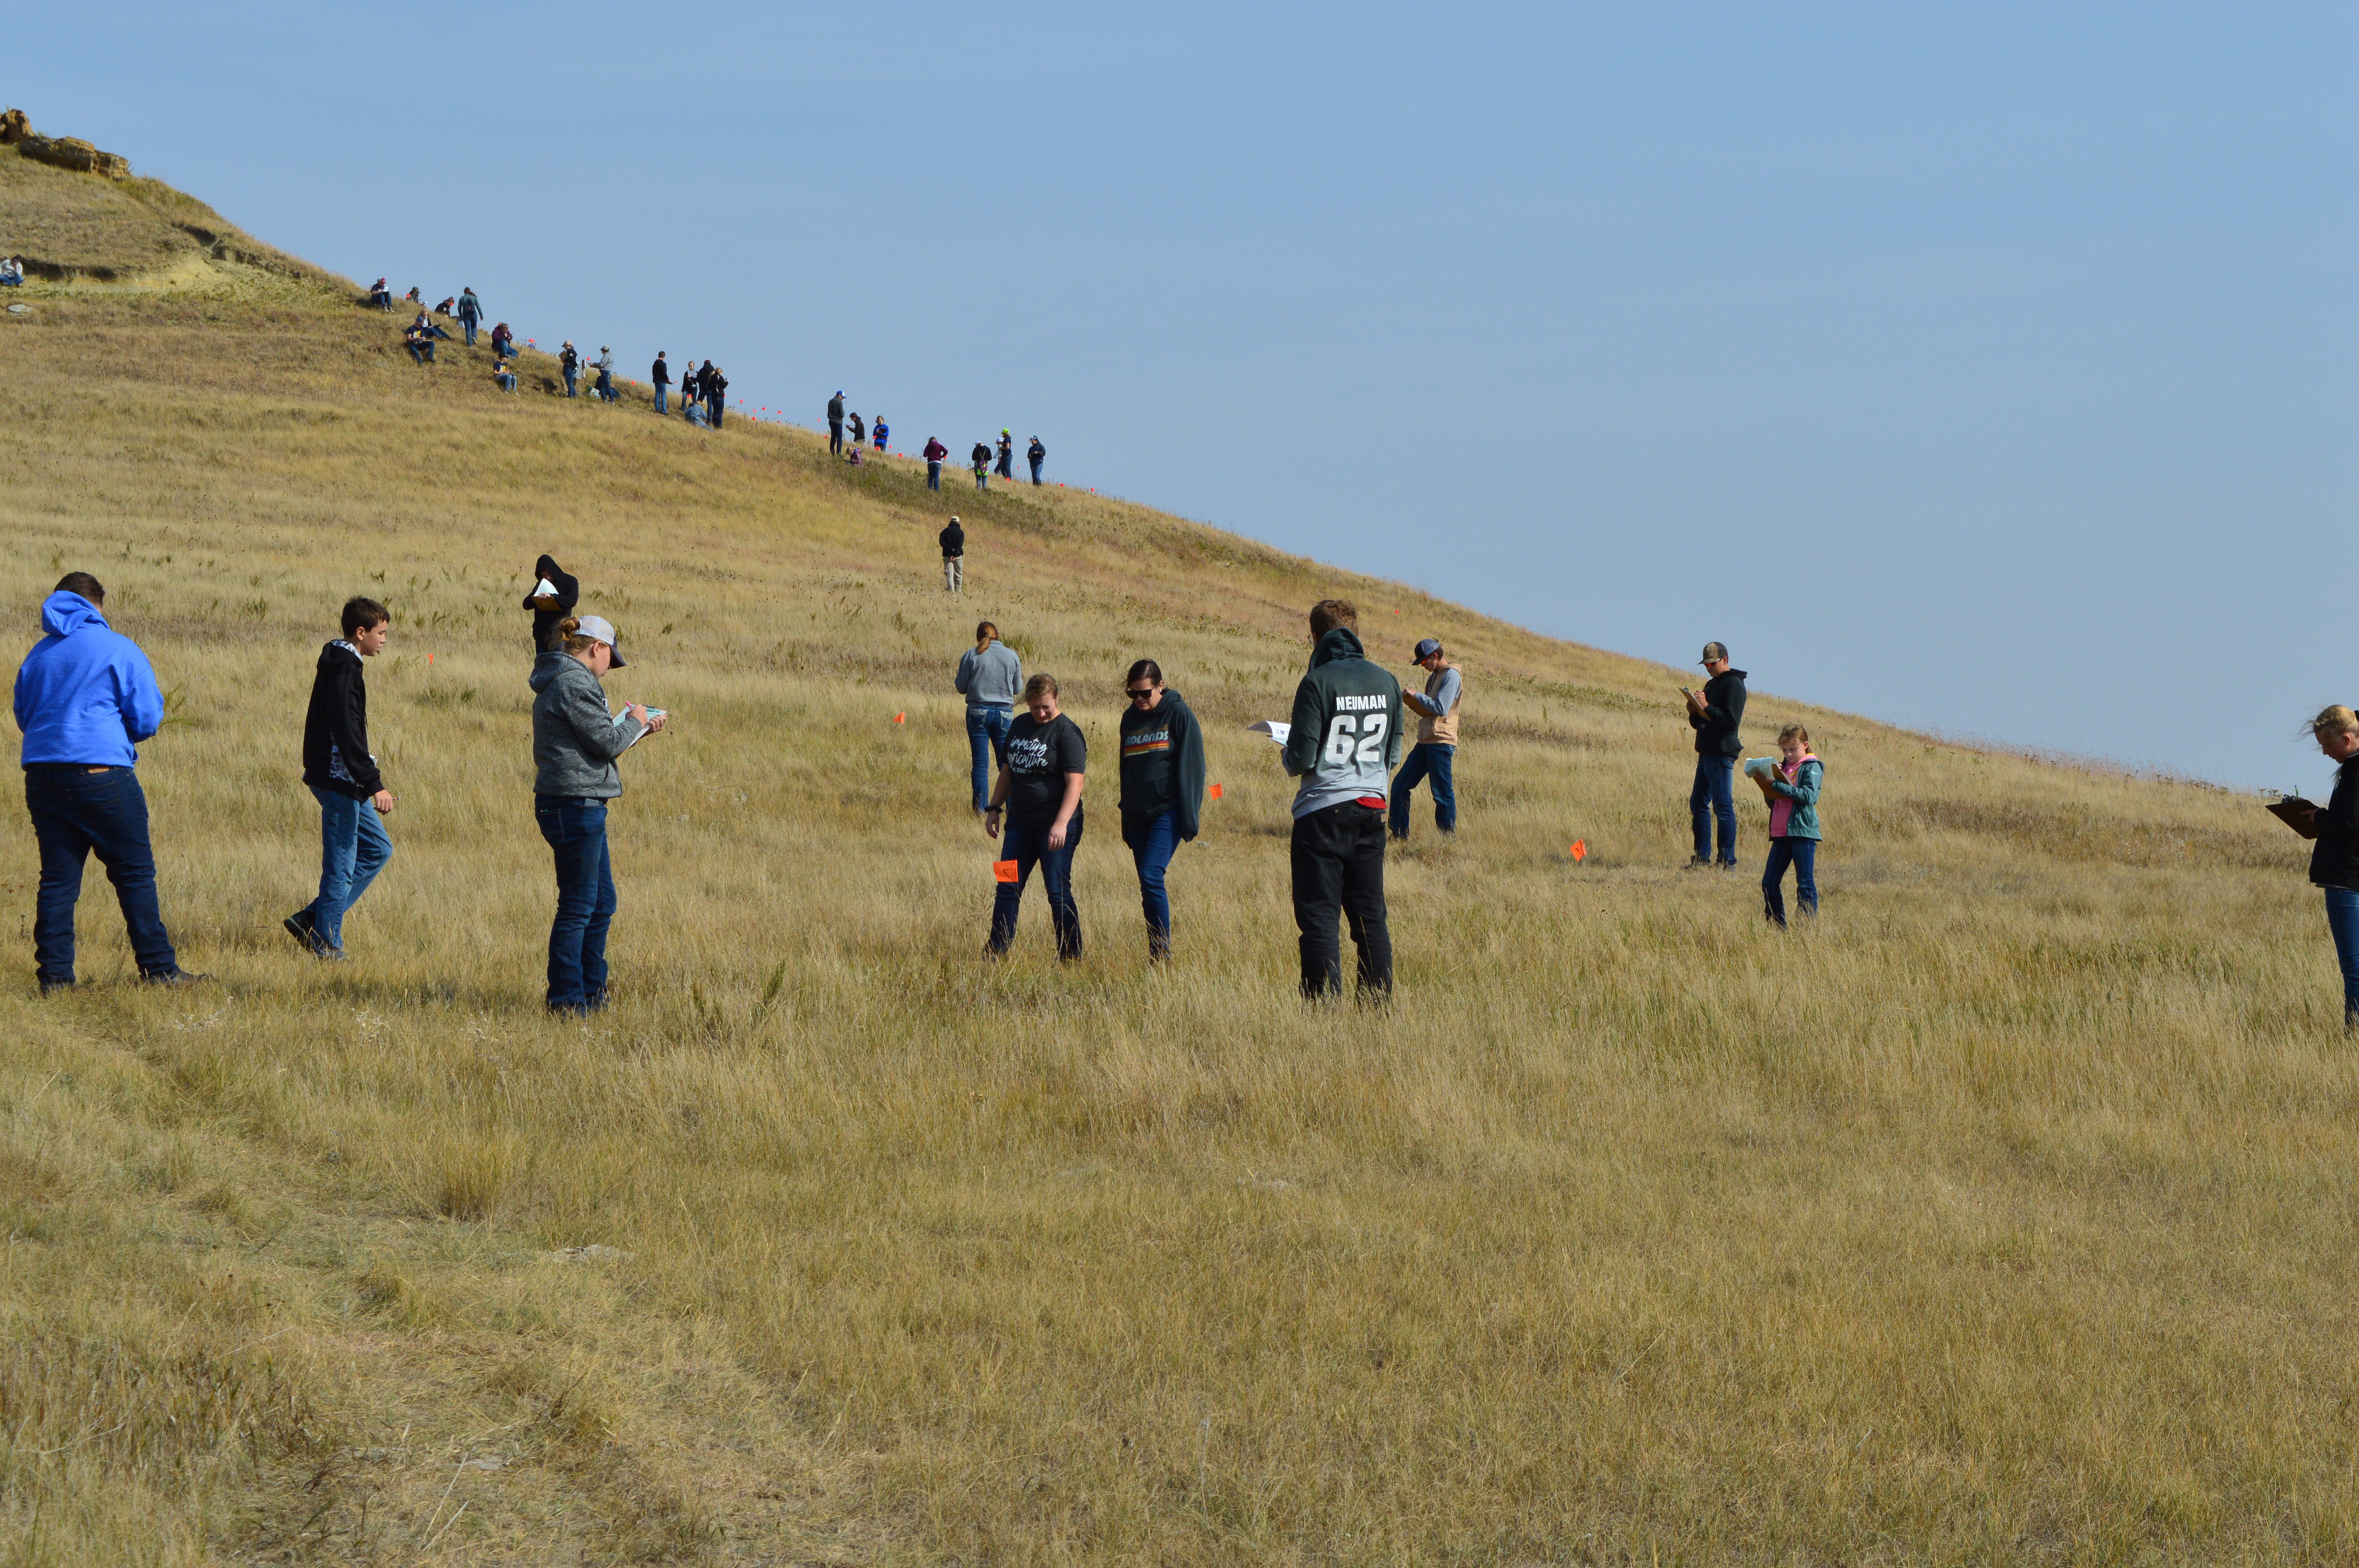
(1140, 693)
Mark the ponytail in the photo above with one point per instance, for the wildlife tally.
(569, 628)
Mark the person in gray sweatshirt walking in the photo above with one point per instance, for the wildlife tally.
(990, 677)
(575, 741)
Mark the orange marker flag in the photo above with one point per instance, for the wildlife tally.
(899, 717)
(1004, 871)
(1216, 792)
(1579, 850)
(430, 658)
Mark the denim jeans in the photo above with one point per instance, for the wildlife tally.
(1802, 854)
(986, 737)
(1036, 471)
(712, 405)
(576, 831)
(2343, 920)
(661, 388)
(470, 331)
(982, 480)
(1714, 777)
(353, 849)
(1028, 846)
(834, 436)
(569, 383)
(933, 474)
(76, 811)
(1153, 841)
(1338, 858)
(1427, 760)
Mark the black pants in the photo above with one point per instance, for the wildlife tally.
(835, 434)
(1339, 863)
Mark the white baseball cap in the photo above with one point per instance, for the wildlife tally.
(597, 627)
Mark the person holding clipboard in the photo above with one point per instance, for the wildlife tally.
(2334, 862)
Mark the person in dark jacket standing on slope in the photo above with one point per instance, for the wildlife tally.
(1162, 790)
(86, 697)
(569, 361)
(952, 539)
(660, 378)
(980, 460)
(1713, 714)
(1344, 742)
(935, 453)
(1006, 454)
(342, 776)
(471, 311)
(714, 384)
(835, 422)
(691, 389)
(549, 609)
(2334, 861)
(1036, 454)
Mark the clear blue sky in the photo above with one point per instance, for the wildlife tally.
(1983, 368)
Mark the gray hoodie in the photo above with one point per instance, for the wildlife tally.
(993, 678)
(574, 737)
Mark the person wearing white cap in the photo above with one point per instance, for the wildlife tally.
(575, 741)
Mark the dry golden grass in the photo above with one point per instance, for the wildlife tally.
(2003, 1216)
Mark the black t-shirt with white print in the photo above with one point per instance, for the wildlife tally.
(1039, 757)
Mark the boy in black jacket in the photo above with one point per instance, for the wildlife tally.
(1344, 744)
(344, 778)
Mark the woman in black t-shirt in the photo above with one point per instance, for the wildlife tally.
(1040, 793)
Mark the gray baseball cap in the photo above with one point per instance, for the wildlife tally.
(599, 628)
(1715, 651)
(1427, 649)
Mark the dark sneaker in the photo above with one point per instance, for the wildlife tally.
(174, 978)
(1696, 863)
(50, 988)
(299, 926)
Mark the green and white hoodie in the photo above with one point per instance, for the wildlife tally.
(1346, 735)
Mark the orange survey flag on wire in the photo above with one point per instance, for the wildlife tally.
(1579, 848)
(1216, 792)
(1004, 870)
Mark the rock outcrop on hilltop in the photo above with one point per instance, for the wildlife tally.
(64, 152)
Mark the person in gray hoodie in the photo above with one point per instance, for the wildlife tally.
(990, 677)
(1344, 742)
(575, 741)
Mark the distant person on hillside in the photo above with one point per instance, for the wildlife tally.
(342, 774)
(989, 676)
(1040, 793)
(1344, 744)
(981, 459)
(568, 360)
(1436, 751)
(1006, 454)
(12, 273)
(503, 342)
(413, 295)
(692, 390)
(605, 387)
(445, 307)
(880, 432)
(859, 431)
(380, 295)
(1162, 790)
(551, 609)
(835, 422)
(661, 378)
(715, 385)
(935, 453)
(952, 539)
(85, 697)
(1036, 454)
(420, 344)
(2334, 859)
(471, 311)
(1790, 783)
(1713, 714)
(504, 375)
(575, 740)
(696, 417)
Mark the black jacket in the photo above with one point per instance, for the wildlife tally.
(569, 594)
(661, 374)
(835, 410)
(1168, 728)
(2334, 861)
(335, 727)
(981, 455)
(1037, 451)
(568, 358)
(1724, 703)
(714, 383)
(953, 538)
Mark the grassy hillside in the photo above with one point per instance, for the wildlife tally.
(2005, 1214)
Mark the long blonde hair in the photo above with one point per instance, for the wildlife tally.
(2334, 719)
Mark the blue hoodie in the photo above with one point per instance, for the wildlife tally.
(85, 693)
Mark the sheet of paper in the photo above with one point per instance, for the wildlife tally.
(1274, 730)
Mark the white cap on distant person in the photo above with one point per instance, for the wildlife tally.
(598, 629)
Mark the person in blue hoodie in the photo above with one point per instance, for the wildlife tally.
(85, 697)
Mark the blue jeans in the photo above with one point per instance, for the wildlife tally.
(713, 403)
(353, 849)
(1714, 778)
(1802, 854)
(76, 811)
(576, 831)
(469, 325)
(2343, 920)
(661, 388)
(987, 737)
(1036, 471)
(982, 480)
(569, 383)
(933, 474)
(1028, 846)
(1153, 841)
(1427, 760)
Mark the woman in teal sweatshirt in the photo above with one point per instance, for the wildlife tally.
(1162, 790)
